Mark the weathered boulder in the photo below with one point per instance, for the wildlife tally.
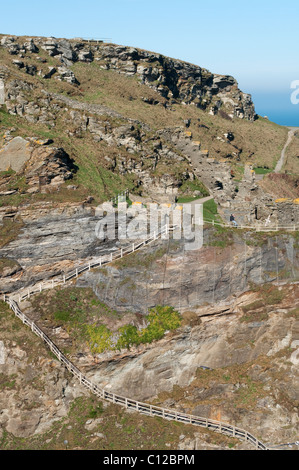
(30, 46)
(14, 154)
(48, 166)
(67, 75)
(43, 166)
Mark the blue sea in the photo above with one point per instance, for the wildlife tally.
(277, 107)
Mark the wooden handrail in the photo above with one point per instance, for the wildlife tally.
(102, 261)
(143, 408)
(257, 227)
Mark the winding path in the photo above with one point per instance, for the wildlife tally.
(128, 403)
(281, 160)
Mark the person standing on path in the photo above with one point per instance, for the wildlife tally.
(232, 219)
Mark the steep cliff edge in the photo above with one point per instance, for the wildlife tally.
(247, 341)
(108, 106)
(79, 123)
(174, 80)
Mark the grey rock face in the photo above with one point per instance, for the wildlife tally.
(51, 402)
(67, 75)
(30, 46)
(178, 80)
(52, 241)
(188, 279)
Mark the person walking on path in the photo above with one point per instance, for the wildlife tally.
(232, 219)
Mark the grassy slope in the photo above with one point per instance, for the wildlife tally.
(259, 142)
(262, 139)
(292, 157)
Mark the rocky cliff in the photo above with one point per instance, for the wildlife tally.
(237, 364)
(79, 122)
(152, 122)
(168, 274)
(175, 80)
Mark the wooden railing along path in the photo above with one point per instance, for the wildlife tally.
(259, 227)
(128, 403)
(99, 262)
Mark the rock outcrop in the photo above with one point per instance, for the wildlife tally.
(208, 286)
(174, 80)
(44, 167)
(159, 168)
(160, 162)
(223, 364)
(51, 241)
(177, 80)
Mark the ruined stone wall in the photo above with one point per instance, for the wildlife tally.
(287, 211)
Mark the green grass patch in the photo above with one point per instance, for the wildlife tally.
(262, 170)
(8, 263)
(188, 188)
(210, 211)
(6, 119)
(258, 310)
(253, 306)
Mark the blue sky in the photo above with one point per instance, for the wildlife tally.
(256, 42)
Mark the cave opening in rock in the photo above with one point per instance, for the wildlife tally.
(218, 185)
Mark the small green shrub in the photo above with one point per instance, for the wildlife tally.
(99, 338)
(159, 320)
(128, 336)
(94, 412)
(62, 315)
